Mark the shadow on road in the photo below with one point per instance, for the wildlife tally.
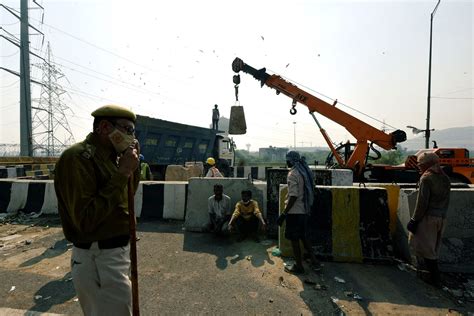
(373, 290)
(53, 293)
(227, 250)
(58, 249)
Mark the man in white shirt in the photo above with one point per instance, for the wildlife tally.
(297, 210)
(218, 206)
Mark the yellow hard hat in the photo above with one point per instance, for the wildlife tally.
(210, 161)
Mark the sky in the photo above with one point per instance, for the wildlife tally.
(172, 60)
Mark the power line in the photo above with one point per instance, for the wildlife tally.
(125, 85)
(10, 24)
(338, 102)
(452, 98)
(6, 56)
(104, 49)
(9, 85)
(456, 91)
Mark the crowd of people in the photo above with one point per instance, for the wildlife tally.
(94, 178)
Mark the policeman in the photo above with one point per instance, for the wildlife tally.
(91, 183)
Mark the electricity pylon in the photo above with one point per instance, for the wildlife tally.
(51, 131)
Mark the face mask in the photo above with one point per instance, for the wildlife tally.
(120, 140)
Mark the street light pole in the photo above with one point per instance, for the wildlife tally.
(294, 135)
(427, 131)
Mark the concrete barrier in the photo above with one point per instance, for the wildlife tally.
(161, 200)
(347, 224)
(200, 189)
(12, 172)
(393, 193)
(18, 196)
(50, 202)
(5, 194)
(278, 176)
(256, 172)
(457, 248)
(153, 199)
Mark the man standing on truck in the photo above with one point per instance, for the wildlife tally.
(427, 224)
(213, 172)
(215, 118)
(91, 184)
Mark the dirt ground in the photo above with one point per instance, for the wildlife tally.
(184, 273)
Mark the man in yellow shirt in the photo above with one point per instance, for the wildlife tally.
(246, 217)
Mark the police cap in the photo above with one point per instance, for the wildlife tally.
(114, 111)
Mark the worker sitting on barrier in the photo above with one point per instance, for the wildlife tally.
(246, 217)
(218, 206)
(145, 172)
(213, 172)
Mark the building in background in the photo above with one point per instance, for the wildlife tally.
(272, 153)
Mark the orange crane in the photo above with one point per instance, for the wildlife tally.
(365, 134)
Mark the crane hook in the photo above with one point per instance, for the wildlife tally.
(293, 107)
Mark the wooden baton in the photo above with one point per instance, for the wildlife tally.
(133, 248)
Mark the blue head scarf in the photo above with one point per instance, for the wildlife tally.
(300, 164)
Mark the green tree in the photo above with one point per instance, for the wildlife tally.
(392, 157)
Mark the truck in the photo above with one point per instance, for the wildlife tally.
(165, 143)
(355, 156)
(455, 162)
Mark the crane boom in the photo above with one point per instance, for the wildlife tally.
(362, 132)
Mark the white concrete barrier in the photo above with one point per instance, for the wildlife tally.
(18, 196)
(50, 203)
(200, 189)
(174, 201)
(457, 248)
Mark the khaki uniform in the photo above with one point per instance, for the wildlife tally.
(93, 206)
(430, 211)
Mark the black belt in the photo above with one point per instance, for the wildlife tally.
(115, 242)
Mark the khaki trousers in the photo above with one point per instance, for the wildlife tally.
(102, 280)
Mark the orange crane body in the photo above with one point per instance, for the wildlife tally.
(362, 132)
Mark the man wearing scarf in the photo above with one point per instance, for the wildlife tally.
(427, 224)
(297, 209)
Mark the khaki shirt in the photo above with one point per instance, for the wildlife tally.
(433, 196)
(92, 194)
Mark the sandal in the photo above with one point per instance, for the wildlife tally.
(294, 269)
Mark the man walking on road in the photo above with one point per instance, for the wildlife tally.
(297, 210)
(429, 218)
(91, 187)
